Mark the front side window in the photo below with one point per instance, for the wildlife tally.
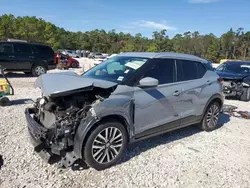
(116, 69)
(6, 48)
(22, 48)
(163, 70)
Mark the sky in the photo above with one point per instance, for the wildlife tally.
(137, 16)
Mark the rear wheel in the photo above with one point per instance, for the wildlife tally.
(38, 70)
(4, 101)
(105, 145)
(211, 117)
(245, 95)
(73, 65)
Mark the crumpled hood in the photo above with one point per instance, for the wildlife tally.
(229, 75)
(61, 84)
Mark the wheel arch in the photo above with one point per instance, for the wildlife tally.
(87, 128)
(215, 98)
(39, 63)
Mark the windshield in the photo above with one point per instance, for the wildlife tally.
(116, 69)
(235, 67)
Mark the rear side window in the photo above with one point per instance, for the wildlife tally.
(22, 48)
(6, 48)
(45, 50)
(189, 70)
(163, 70)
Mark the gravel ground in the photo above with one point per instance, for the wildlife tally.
(183, 158)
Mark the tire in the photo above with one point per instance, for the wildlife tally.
(212, 113)
(38, 70)
(245, 95)
(74, 65)
(101, 157)
(4, 101)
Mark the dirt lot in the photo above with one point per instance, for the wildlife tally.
(183, 158)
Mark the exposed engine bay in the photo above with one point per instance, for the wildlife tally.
(62, 115)
(234, 87)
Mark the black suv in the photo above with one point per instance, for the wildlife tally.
(26, 57)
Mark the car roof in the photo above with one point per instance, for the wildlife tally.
(163, 55)
(18, 42)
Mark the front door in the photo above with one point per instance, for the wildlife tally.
(155, 108)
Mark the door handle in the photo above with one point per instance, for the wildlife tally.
(11, 56)
(209, 82)
(176, 93)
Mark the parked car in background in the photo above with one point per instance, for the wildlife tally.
(236, 79)
(99, 60)
(71, 62)
(127, 98)
(16, 55)
(71, 53)
(96, 55)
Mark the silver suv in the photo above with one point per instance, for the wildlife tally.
(129, 97)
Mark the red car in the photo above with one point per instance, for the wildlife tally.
(72, 63)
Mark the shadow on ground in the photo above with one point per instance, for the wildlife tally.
(17, 75)
(21, 101)
(1, 161)
(144, 145)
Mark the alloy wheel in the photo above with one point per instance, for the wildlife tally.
(107, 145)
(39, 70)
(213, 116)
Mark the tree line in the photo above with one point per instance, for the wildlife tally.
(230, 45)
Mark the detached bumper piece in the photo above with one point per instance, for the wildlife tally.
(49, 152)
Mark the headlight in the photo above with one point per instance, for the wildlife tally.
(42, 101)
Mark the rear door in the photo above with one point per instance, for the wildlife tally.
(7, 57)
(155, 108)
(24, 56)
(44, 54)
(190, 78)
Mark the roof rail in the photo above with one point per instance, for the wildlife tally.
(16, 40)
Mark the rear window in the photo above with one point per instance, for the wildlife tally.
(45, 50)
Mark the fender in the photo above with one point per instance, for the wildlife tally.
(213, 97)
(116, 105)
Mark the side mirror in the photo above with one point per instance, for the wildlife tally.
(148, 82)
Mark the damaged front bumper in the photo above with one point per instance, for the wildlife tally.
(50, 152)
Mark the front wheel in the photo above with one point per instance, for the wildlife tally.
(105, 145)
(211, 117)
(38, 70)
